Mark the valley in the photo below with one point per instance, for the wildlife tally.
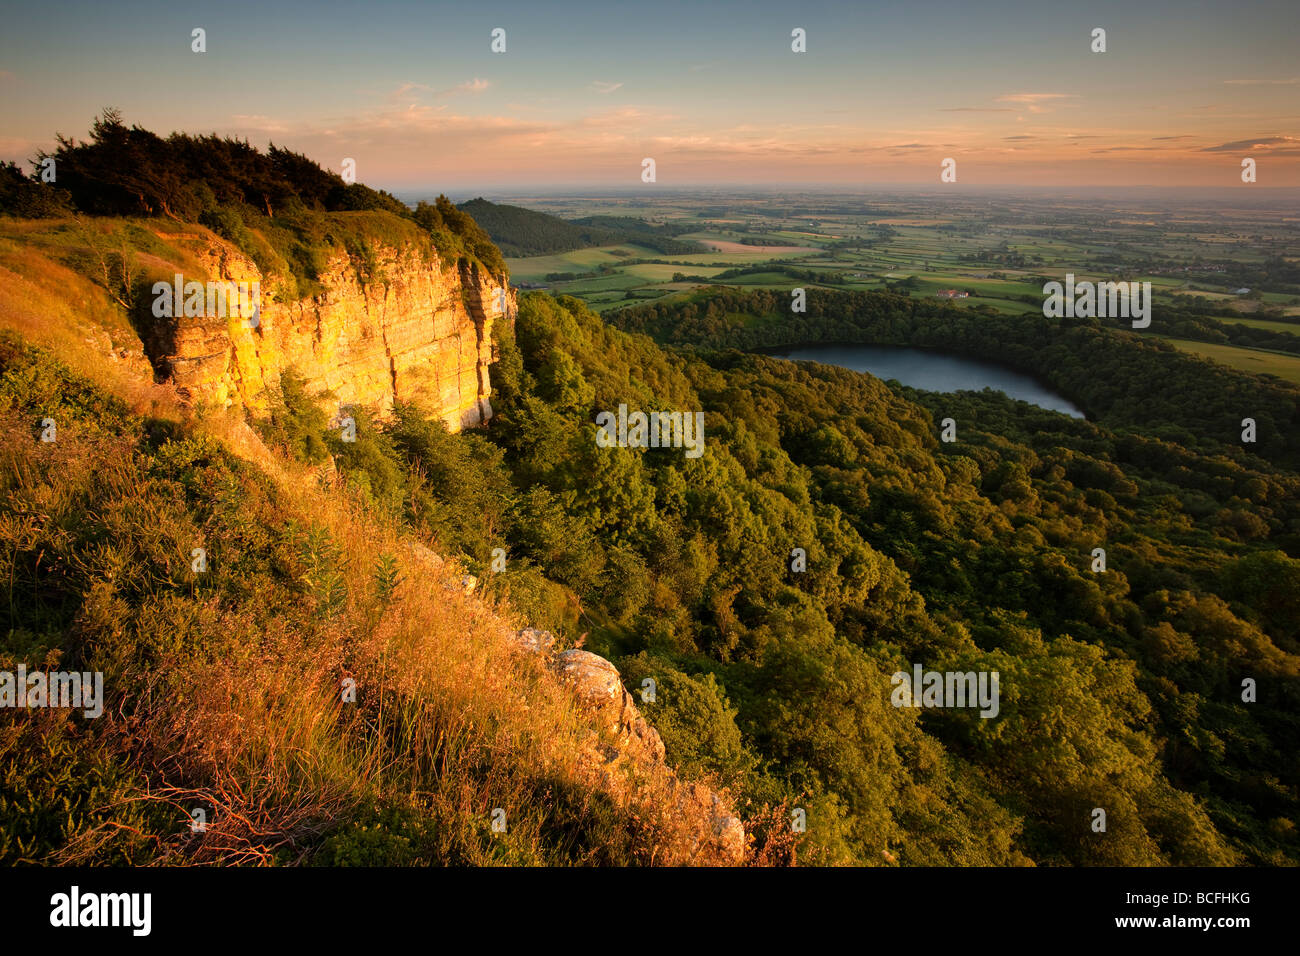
(1227, 258)
(476, 500)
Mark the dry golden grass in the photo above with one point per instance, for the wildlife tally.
(449, 715)
(446, 681)
(65, 311)
(451, 720)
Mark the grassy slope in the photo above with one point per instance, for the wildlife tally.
(222, 687)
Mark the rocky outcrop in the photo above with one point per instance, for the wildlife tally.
(623, 740)
(599, 688)
(623, 754)
(419, 330)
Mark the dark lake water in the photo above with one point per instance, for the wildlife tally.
(933, 371)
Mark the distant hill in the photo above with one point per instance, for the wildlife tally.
(525, 232)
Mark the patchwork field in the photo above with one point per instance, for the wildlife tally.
(997, 251)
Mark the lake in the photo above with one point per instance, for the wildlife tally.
(933, 371)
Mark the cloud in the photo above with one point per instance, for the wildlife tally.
(1164, 144)
(626, 115)
(1291, 81)
(1034, 102)
(396, 136)
(1267, 143)
(257, 122)
(589, 138)
(734, 144)
(406, 89)
(17, 149)
(409, 92)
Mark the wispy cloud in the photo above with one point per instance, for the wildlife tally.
(408, 92)
(1288, 144)
(601, 86)
(629, 116)
(1035, 102)
(1290, 81)
(976, 109)
(407, 89)
(17, 146)
(257, 122)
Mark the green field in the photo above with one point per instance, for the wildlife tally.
(1001, 253)
(1246, 360)
(536, 268)
(1270, 325)
(656, 272)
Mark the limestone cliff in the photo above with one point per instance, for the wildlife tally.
(415, 329)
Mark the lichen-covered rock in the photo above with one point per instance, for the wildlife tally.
(623, 741)
(598, 686)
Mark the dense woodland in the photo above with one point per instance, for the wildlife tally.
(1130, 381)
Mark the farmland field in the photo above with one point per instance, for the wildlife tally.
(1246, 360)
(999, 251)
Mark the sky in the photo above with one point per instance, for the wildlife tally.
(712, 92)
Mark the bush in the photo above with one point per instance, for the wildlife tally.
(297, 423)
(694, 718)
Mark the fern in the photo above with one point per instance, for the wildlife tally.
(387, 577)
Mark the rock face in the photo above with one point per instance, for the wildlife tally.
(623, 738)
(422, 333)
(598, 686)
